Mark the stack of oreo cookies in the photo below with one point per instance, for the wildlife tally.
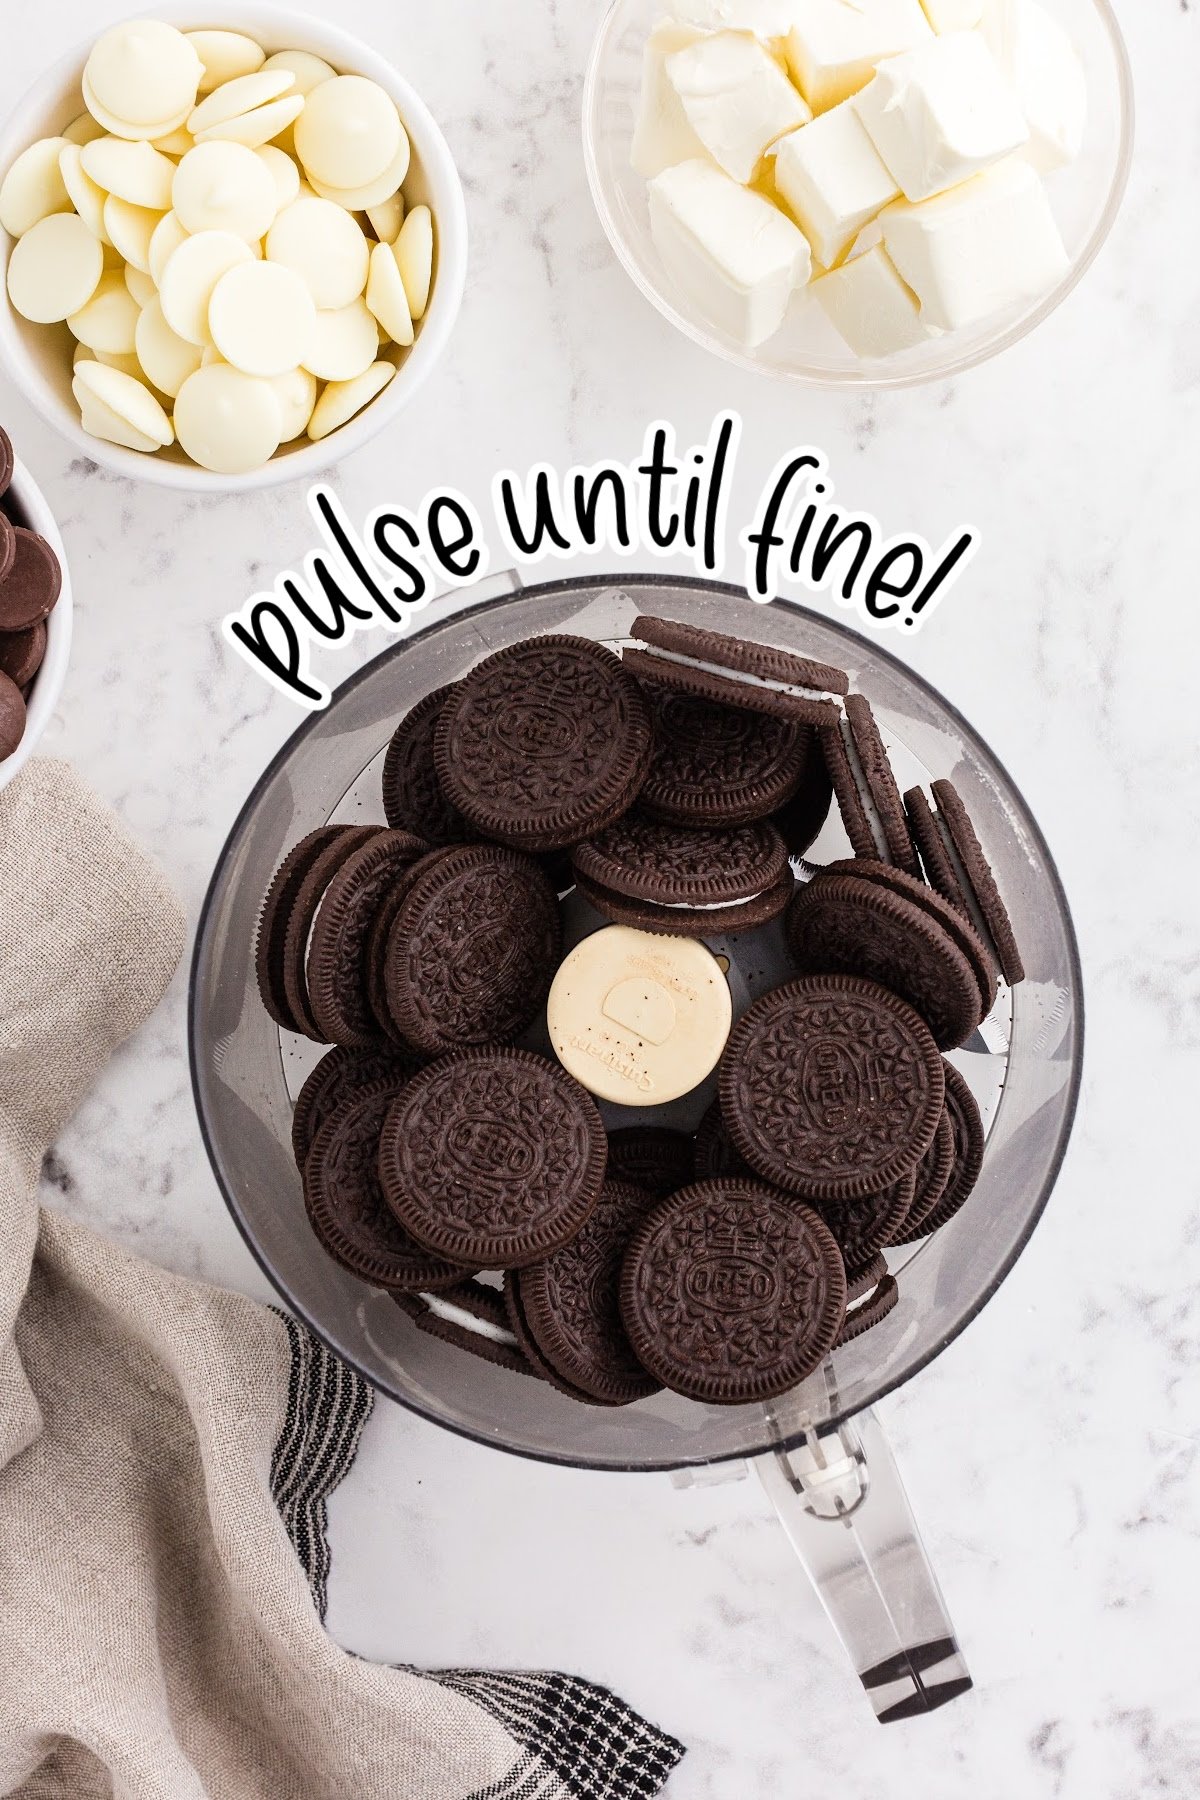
(674, 782)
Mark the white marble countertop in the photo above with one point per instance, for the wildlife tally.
(1052, 1452)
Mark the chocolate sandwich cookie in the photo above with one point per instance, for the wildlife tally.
(711, 666)
(731, 1293)
(345, 1204)
(678, 878)
(7, 462)
(493, 1158)
(870, 1311)
(22, 653)
(651, 1158)
(30, 588)
(716, 765)
(980, 881)
(337, 951)
(933, 1178)
(544, 743)
(713, 1153)
(865, 1227)
(831, 1088)
(571, 1308)
(951, 920)
(12, 716)
(412, 796)
(472, 950)
(844, 925)
(8, 547)
(340, 1077)
(883, 804)
(456, 1317)
(969, 1145)
(301, 914)
(847, 792)
(377, 944)
(273, 920)
(519, 1326)
(864, 1281)
(801, 819)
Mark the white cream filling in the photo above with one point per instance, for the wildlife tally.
(787, 688)
(445, 1309)
(707, 905)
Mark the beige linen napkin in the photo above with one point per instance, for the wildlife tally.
(166, 1450)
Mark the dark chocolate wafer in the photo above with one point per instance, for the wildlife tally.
(831, 1087)
(30, 589)
(7, 462)
(472, 950)
(716, 765)
(731, 1293)
(571, 1306)
(544, 743)
(493, 1158)
(653, 1158)
(337, 952)
(412, 796)
(345, 1204)
(12, 716)
(22, 653)
(8, 546)
(842, 924)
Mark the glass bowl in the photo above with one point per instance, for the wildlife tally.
(1023, 1067)
(1085, 196)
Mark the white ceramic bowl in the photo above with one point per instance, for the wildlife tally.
(28, 505)
(1085, 197)
(40, 355)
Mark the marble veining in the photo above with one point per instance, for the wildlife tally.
(1052, 1453)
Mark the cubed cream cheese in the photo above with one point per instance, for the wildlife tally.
(834, 45)
(1047, 75)
(736, 257)
(833, 181)
(765, 18)
(873, 309)
(941, 113)
(662, 136)
(953, 15)
(985, 245)
(736, 99)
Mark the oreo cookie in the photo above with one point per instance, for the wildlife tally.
(340, 1077)
(544, 743)
(472, 950)
(940, 911)
(412, 796)
(717, 765)
(461, 1317)
(570, 1305)
(732, 1294)
(881, 802)
(969, 1145)
(711, 666)
(933, 1178)
(679, 879)
(957, 867)
(345, 1203)
(869, 1311)
(651, 1158)
(831, 1088)
(493, 1158)
(336, 961)
(519, 1326)
(271, 942)
(865, 1227)
(844, 925)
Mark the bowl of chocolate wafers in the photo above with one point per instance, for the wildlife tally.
(639, 1029)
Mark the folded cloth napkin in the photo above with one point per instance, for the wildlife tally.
(166, 1451)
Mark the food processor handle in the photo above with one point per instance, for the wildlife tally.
(841, 1501)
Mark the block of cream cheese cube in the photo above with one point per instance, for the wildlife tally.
(736, 99)
(765, 18)
(1047, 76)
(834, 45)
(941, 113)
(833, 180)
(985, 245)
(874, 310)
(953, 15)
(736, 256)
(662, 136)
